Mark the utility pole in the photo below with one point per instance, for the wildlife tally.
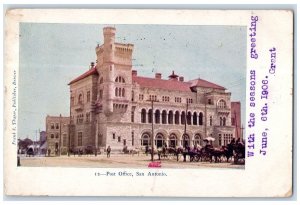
(69, 140)
(152, 100)
(242, 131)
(185, 121)
(59, 143)
(152, 136)
(236, 127)
(205, 116)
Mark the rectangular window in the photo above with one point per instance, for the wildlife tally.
(64, 140)
(72, 100)
(220, 139)
(87, 117)
(132, 138)
(88, 96)
(57, 126)
(124, 142)
(232, 121)
(132, 96)
(99, 139)
(141, 97)
(165, 98)
(132, 116)
(178, 99)
(114, 136)
(119, 139)
(100, 94)
(79, 134)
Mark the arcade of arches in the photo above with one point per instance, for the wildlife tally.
(172, 140)
(172, 117)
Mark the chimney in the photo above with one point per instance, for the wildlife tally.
(181, 78)
(92, 65)
(134, 72)
(158, 75)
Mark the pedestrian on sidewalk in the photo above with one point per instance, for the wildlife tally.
(108, 151)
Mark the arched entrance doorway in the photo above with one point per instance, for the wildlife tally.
(146, 139)
(185, 140)
(159, 140)
(198, 140)
(173, 140)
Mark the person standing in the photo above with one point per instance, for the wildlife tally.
(108, 151)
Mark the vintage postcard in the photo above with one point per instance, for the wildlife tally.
(173, 103)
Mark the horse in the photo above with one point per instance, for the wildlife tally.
(214, 153)
(134, 151)
(238, 152)
(227, 151)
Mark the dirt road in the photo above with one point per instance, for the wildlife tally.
(118, 161)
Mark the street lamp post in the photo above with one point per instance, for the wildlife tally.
(152, 135)
(70, 121)
(59, 143)
(152, 127)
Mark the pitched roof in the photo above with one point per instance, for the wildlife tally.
(203, 83)
(161, 84)
(91, 71)
(173, 84)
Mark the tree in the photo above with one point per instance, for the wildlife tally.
(23, 144)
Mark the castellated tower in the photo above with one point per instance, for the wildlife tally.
(114, 65)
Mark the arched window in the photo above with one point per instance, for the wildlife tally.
(182, 117)
(80, 99)
(157, 116)
(123, 92)
(116, 92)
(200, 118)
(224, 121)
(221, 121)
(145, 139)
(221, 104)
(164, 117)
(173, 140)
(170, 117)
(197, 140)
(132, 95)
(177, 117)
(119, 79)
(101, 80)
(195, 118)
(159, 140)
(143, 116)
(189, 118)
(185, 140)
(120, 92)
(150, 116)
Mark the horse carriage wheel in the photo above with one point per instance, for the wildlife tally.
(197, 157)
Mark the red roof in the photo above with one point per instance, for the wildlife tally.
(161, 84)
(203, 83)
(173, 84)
(91, 71)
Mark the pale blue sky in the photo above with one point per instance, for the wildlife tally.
(51, 55)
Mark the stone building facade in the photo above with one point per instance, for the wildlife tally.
(57, 134)
(236, 119)
(112, 105)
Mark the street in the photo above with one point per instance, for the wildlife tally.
(118, 161)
